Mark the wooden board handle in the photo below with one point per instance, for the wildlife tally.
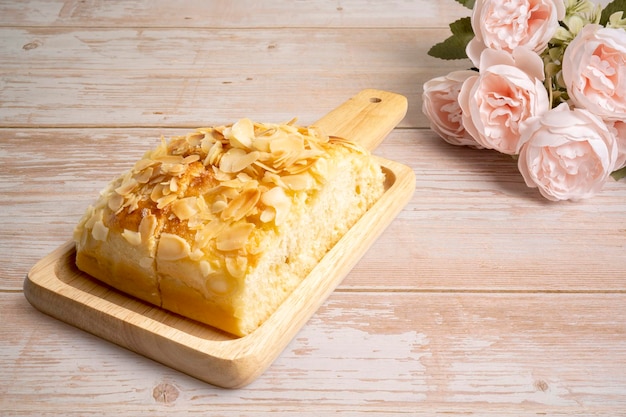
(366, 118)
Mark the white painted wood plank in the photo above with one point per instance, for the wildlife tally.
(387, 353)
(187, 77)
(233, 14)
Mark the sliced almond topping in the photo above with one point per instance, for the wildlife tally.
(236, 265)
(173, 169)
(347, 143)
(234, 183)
(205, 268)
(127, 186)
(196, 255)
(234, 237)
(220, 175)
(157, 192)
(299, 181)
(244, 177)
(194, 138)
(93, 216)
(242, 134)
(241, 205)
(132, 202)
(299, 167)
(220, 284)
(100, 231)
(173, 185)
(144, 176)
(166, 200)
(172, 247)
(228, 193)
(170, 159)
(267, 167)
(185, 208)
(214, 154)
(142, 164)
(262, 140)
(287, 144)
(159, 151)
(147, 226)
(210, 231)
(134, 238)
(115, 202)
(191, 158)
(279, 201)
(267, 215)
(218, 206)
(236, 160)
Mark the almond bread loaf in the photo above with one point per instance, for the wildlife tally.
(222, 224)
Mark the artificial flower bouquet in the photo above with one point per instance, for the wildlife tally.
(548, 88)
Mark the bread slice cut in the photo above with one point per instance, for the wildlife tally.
(222, 224)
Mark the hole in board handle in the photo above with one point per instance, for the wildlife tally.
(375, 100)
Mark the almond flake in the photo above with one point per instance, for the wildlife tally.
(241, 205)
(234, 237)
(147, 226)
(100, 231)
(220, 284)
(115, 202)
(172, 247)
(127, 186)
(166, 200)
(144, 176)
(277, 199)
(235, 160)
(242, 134)
(298, 182)
(185, 208)
(191, 159)
(134, 238)
(236, 266)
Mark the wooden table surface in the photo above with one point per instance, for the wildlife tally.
(481, 297)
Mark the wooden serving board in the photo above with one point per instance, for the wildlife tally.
(56, 287)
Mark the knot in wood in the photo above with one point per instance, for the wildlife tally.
(165, 393)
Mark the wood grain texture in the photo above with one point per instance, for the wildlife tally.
(481, 298)
(225, 13)
(189, 77)
(379, 353)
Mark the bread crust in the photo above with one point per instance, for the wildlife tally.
(222, 224)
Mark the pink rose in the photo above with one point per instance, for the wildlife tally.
(567, 154)
(618, 129)
(594, 71)
(508, 91)
(506, 25)
(440, 104)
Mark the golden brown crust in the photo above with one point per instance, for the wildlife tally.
(198, 221)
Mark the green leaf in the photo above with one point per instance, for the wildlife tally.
(451, 48)
(612, 7)
(454, 46)
(619, 174)
(463, 27)
(467, 3)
